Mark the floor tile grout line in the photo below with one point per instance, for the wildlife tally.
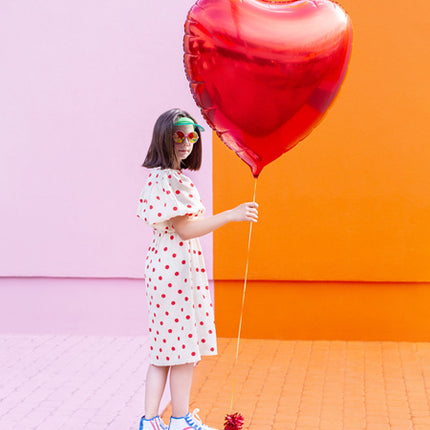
(405, 385)
(426, 386)
(304, 381)
(285, 377)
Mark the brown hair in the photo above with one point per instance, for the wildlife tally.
(161, 152)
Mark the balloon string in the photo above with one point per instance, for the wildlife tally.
(243, 304)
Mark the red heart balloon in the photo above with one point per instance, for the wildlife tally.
(264, 72)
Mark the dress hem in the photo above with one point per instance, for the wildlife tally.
(169, 364)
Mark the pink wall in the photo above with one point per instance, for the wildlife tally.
(82, 84)
(73, 306)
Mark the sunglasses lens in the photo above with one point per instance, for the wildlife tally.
(178, 137)
(193, 137)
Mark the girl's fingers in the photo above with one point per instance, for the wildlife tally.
(252, 215)
(247, 211)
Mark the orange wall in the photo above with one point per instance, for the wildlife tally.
(352, 201)
(324, 310)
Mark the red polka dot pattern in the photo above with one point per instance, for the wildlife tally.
(182, 316)
(167, 195)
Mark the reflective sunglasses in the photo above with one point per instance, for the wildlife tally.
(179, 137)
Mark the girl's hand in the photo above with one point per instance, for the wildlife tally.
(245, 212)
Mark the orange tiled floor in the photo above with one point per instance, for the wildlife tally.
(316, 385)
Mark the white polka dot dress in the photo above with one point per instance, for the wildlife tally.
(181, 318)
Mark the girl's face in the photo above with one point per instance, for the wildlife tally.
(183, 150)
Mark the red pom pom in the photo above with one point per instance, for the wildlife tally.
(234, 422)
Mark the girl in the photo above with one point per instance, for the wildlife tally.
(181, 318)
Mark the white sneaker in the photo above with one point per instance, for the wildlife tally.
(155, 423)
(189, 422)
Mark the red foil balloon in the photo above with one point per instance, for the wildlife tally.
(264, 72)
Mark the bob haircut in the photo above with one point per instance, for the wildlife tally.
(161, 152)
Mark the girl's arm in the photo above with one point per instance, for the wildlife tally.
(188, 228)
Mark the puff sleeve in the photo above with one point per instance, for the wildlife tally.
(167, 194)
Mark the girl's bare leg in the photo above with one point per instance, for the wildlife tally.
(155, 383)
(181, 377)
